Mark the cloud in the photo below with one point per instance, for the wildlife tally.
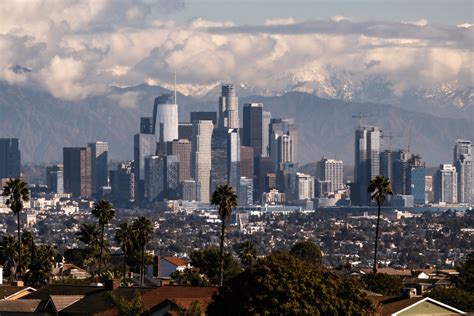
(78, 49)
(129, 99)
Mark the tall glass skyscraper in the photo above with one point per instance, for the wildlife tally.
(165, 119)
(201, 158)
(99, 165)
(10, 158)
(463, 163)
(228, 108)
(252, 132)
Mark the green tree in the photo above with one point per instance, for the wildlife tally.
(129, 306)
(225, 199)
(281, 284)
(105, 213)
(125, 236)
(455, 297)
(383, 283)
(189, 277)
(208, 263)
(247, 253)
(143, 232)
(465, 280)
(307, 251)
(42, 260)
(379, 188)
(89, 234)
(9, 255)
(16, 191)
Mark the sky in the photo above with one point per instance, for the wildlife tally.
(76, 49)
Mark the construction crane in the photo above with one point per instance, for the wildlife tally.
(359, 116)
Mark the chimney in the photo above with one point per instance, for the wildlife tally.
(409, 292)
(110, 285)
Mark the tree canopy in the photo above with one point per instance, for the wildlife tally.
(383, 283)
(207, 261)
(281, 284)
(307, 251)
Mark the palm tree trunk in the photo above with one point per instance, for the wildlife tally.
(124, 267)
(19, 245)
(376, 239)
(142, 268)
(101, 250)
(221, 255)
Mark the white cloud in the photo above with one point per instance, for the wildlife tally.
(77, 49)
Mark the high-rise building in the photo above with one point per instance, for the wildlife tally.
(266, 117)
(219, 158)
(55, 178)
(204, 116)
(146, 125)
(228, 108)
(401, 169)
(386, 164)
(246, 162)
(270, 182)
(445, 184)
(188, 190)
(263, 166)
(185, 131)
(77, 171)
(172, 180)
(252, 132)
(10, 158)
(367, 162)
(99, 165)
(304, 186)
(155, 178)
(143, 145)
(165, 119)
(417, 180)
(122, 182)
(322, 188)
(182, 149)
(287, 181)
(233, 158)
(201, 158)
(245, 192)
(331, 170)
(283, 150)
(463, 163)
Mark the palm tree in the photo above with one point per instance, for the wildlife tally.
(105, 213)
(143, 231)
(247, 253)
(16, 191)
(8, 253)
(379, 188)
(125, 236)
(225, 199)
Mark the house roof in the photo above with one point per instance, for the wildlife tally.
(20, 305)
(390, 271)
(60, 289)
(176, 261)
(432, 301)
(391, 305)
(60, 302)
(6, 291)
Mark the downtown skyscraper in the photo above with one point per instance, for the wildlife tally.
(201, 158)
(77, 171)
(462, 161)
(10, 158)
(99, 165)
(228, 108)
(366, 162)
(165, 120)
(253, 128)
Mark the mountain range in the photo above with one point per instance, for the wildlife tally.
(45, 124)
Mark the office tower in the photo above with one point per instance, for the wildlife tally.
(367, 162)
(55, 178)
(331, 170)
(282, 150)
(77, 171)
(122, 182)
(322, 188)
(386, 164)
(188, 190)
(246, 162)
(401, 169)
(10, 158)
(172, 180)
(165, 119)
(263, 166)
(266, 117)
(445, 184)
(463, 163)
(154, 178)
(233, 158)
(304, 186)
(245, 192)
(182, 149)
(252, 132)
(185, 131)
(201, 158)
(286, 180)
(270, 182)
(204, 116)
(146, 125)
(219, 157)
(417, 180)
(228, 108)
(99, 165)
(273, 197)
(143, 145)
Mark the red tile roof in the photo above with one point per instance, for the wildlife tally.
(179, 262)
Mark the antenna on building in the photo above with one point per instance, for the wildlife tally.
(176, 102)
